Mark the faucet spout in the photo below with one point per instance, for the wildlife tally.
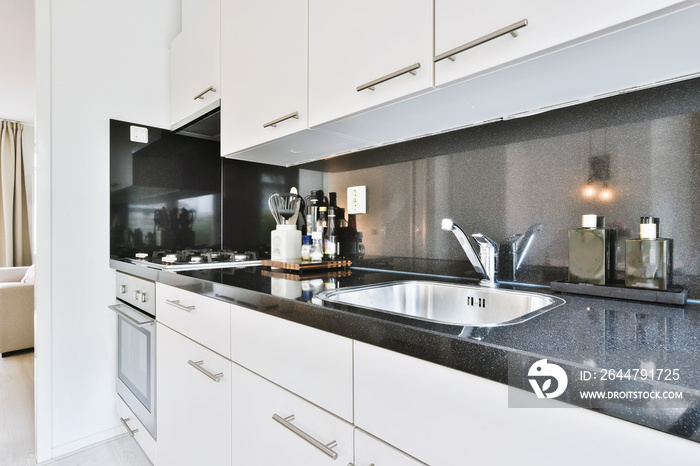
(484, 260)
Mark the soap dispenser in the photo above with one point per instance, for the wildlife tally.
(592, 252)
(649, 258)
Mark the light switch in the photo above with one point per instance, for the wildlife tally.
(139, 134)
(357, 200)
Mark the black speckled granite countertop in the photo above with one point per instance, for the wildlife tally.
(618, 343)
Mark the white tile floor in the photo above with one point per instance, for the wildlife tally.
(17, 424)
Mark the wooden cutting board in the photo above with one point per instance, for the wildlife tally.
(307, 265)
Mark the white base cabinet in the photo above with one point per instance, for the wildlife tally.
(137, 430)
(445, 417)
(194, 402)
(260, 439)
(370, 450)
(315, 365)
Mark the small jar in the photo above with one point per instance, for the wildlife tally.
(316, 246)
(306, 248)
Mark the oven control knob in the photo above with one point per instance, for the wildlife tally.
(143, 297)
(122, 289)
(137, 295)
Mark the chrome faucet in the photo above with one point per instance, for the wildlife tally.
(485, 261)
(513, 251)
(483, 252)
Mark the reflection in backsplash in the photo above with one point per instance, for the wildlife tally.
(623, 157)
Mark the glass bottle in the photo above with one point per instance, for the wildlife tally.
(592, 252)
(316, 246)
(330, 237)
(649, 258)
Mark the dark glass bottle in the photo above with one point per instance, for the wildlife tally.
(316, 205)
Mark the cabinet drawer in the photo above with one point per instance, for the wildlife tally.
(205, 320)
(193, 402)
(370, 450)
(259, 439)
(141, 435)
(315, 365)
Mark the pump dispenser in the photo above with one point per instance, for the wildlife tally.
(649, 258)
(592, 252)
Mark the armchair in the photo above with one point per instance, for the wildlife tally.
(16, 310)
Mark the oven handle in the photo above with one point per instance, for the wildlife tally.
(134, 316)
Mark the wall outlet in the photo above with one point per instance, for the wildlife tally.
(357, 200)
(139, 134)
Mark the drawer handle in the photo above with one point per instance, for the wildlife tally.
(201, 94)
(176, 303)
(131, 432)
(198, 365)
(370, 85)
(482, 40)
(273, 123)
(325, 448)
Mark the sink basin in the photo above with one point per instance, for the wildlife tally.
(446, 303)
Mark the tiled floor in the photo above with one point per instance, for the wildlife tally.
(17, 424)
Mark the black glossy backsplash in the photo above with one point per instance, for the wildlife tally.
(165, 194)
(623, 157)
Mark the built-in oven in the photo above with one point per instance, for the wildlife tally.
(136, 347)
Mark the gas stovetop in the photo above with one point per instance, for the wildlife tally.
(195, 259)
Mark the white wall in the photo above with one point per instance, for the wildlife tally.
(95, 61)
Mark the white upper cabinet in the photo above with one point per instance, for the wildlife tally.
(195, 76)
(264, 58)
(476, 36)
(353, 44)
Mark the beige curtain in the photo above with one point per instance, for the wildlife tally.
(14, 217)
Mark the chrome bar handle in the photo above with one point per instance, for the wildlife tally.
(201, 94)
(325, 448)
(129, 429)
(370, 85)
(198, 365)
(482, 40)
(273, 123)
(176, 303)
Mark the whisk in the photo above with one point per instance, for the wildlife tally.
(285, 207)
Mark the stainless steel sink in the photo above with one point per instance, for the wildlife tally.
(446, 303)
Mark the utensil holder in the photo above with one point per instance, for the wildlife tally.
(285, 243)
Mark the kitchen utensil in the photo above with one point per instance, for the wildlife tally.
(273, 202)
(285, 207)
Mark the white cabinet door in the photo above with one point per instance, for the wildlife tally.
(315, 365)
(353, 43)
(261, 440)
(195, 75)
(370, 450)
(193, 402)
(205, 320)
(446, 417)
(263, 68)
(137, 430)
(549, 24)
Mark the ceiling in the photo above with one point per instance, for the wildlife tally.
(17, 61)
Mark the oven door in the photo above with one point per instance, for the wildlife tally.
(136, 368)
